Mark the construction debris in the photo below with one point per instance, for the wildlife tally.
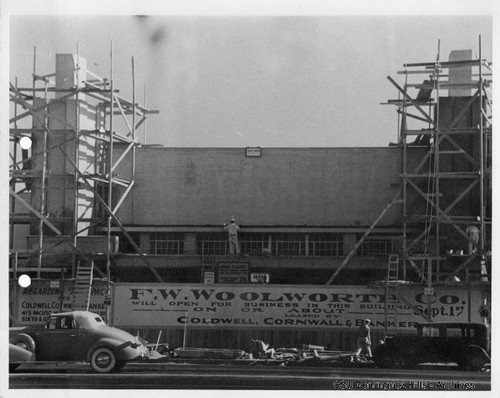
(262, 353)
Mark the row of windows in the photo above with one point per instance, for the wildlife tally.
(274, 244)
(320, 245)
(167, 243)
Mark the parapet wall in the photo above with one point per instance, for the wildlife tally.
(285, 186)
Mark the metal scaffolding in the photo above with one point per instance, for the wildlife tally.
(445, 185)
(71, 166)
(447, 189)
(446, 174)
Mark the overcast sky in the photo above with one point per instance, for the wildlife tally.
(268, 81)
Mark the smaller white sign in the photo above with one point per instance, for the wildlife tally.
(253, 152)
(209, 277)
(259, 278)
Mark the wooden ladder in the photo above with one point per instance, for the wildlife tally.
(391, 294)
(83, 286)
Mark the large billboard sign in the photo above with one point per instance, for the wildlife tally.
(32, 305)
(280, 306)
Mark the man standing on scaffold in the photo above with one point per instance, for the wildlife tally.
(232, 230)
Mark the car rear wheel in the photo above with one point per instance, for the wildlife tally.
(103, 360)
(475, 358)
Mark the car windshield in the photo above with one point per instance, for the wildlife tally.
(89, 321)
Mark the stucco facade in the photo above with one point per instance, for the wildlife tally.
(345, 187)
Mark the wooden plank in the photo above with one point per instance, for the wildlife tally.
(420, 132)
(419, 72)
(424, 257)
(16, 132)
(33, 269)
(129, 112)
(30, 173)
(465, 175)
(444, 64)
(414, 116)
(21, 218)
(461, 151)
(445, 86)
(360, 242)
(401, 102)
(121, 182)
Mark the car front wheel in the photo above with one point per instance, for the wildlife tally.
(103, 360)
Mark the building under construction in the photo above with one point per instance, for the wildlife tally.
(328, 236)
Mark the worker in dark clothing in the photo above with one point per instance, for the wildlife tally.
(364, 339)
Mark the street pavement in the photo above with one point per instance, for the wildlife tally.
(245, 377)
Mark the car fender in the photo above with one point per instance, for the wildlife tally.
(25, 339)
(104, 342)
(117, 346)
(476, 358)
(18, 354)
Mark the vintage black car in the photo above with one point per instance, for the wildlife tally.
(466, 344)
(79, 336)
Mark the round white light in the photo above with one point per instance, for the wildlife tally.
(24, 280)
(25, 142)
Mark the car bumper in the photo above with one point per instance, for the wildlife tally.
(130, 352)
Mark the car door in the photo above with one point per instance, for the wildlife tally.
(455, 344)
(59, 340)
(430, 343)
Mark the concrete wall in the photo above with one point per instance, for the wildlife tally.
(286, 186)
